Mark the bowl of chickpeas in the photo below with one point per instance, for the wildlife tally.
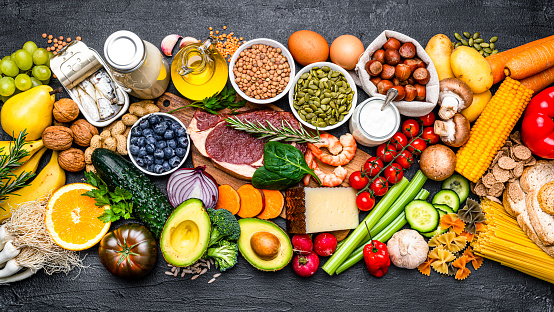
(262, 71)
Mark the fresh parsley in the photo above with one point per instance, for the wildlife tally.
(119, 200)
(224, 99)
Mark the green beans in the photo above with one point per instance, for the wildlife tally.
(476, 42)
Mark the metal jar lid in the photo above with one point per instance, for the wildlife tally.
(124, 51)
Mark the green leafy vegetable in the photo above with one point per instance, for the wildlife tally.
(9, 182)
(224, 99)
(120, 200)
(267, 180)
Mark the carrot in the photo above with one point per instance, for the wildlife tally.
(228, 199)
(274, 202)
(531, 61)
(539, 81)
(498, 60)
(251, 201)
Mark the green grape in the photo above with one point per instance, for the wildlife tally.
(45, 82)
(7, 86)
(7, 57)
(23, 59)
(50, 54)
(4, 98)
(40, 56)
(12, 56)
(9, 68)
(30, 47)
(35, 82)
(41, 72)
(23, 82)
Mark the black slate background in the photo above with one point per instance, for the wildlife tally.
(493, 287)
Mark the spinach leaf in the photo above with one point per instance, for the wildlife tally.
(286, 161)
(267, 180)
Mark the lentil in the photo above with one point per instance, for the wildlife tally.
(226, 44)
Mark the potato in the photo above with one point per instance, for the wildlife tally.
(439, 49)
(477, 106)
(471, 67)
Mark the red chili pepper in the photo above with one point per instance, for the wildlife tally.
(537, 130)
(376, 257)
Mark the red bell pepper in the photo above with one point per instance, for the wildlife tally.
(537, 130)
(376, 258)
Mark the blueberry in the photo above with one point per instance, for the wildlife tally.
(142, 152)
(160, 128)
(158, 137)
(153, 119)
(150, 148)
(137, 131)
(183, 141)
(171, 143)
(158, 161)
(140, 161)
(149, 159)
(174, 126)
(158, 168)
(134, 140)
(144, 124)
(179, 151)
(180, 132)
(146, 132)
(161, 144)
(169, 134)
(134, 149)
(150, 168)
(150, 140)
(141, 141)
(174, 161)
(168, 152)
(166, 166)
(159, 153)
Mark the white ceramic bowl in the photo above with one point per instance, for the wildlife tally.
(334, 67)
(165, 116)
(274, 44)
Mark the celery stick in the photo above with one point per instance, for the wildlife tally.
(358, 234)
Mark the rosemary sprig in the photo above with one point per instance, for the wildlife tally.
(224, 99)
(284, 133)
(9, 182)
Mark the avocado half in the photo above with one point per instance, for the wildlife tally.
(186, 233)
(251, 226)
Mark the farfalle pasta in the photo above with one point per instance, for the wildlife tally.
(451, 220)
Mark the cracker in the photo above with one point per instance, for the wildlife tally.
(508, 144)
(505, 151)
(515, 193)
(496, 189)
(506, 163)
(480, 189)
(530, 162)
(518, 170)
(494, 199)
(488, 180)
(499, 155)
(500, 174)
(516, 137)
(521, 152)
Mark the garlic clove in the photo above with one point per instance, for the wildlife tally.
(168, 43)
(186, 41)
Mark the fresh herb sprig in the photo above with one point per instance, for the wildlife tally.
(269, 132)
(224, 99)
(9, 182)
(119, 200)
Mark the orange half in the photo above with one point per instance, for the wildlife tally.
(72, 219)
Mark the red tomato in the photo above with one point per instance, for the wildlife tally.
(365, 201)
(357, 181)
(398, 140)
(430, 136)
(405, 159)
(372, 166)
(379, 186)
(428, 119)
(394, 173)
(386, 152)
(410, 128)
(417, 146)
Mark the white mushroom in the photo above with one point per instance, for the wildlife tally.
(454, 132)
(407, 249)
(454, 96)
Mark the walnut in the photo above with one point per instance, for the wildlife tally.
(90, 168)
(110, 143)
(118, 128)
(105, 134)
(129, 119)
(72, 160)
(88, 155)
(57, 138)
(121, 144)
(61, 124)
(96, 142)
(83, 132)
(65, 110)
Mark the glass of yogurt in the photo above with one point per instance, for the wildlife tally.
(372, 126)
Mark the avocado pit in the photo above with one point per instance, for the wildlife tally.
(265, 245)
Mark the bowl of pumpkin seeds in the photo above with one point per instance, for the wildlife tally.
(323, 96)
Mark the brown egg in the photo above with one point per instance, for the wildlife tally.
(346, 50)
(308, 47)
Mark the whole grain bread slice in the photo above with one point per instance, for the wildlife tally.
(525, 224)
(514, 198)
(542, 222)
(538, 175)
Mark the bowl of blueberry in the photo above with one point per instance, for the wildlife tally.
(158, 144)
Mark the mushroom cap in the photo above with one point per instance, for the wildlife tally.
(457, 87)
(453, 132)
(437, 162)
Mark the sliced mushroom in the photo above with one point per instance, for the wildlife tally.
(454, 132)
(454, 96)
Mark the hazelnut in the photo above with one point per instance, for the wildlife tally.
(401, 93)
(72, 160)
(375, 80)
(420, 92)
(388, 72)
(420, 63)
(383, 86)
(398, 82)
(392, 57)
(65, 110)
(83, 132)
(392, 43)
(374, 68)
(422, 76)
(379, 56)
(402, 72)
(57, 138)
(129, 119)
(411, 93)
(412, 63)
(407, 50)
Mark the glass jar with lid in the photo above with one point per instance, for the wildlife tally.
(137, 65)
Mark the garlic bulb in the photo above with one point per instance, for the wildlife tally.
(407, 249)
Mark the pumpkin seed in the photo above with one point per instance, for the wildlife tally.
(326, 69)
(467, 34)
(303, 76)
(493, 39)
(342, 109)
(478, 40)
(476, 35)
(494, 51)
(470, 41)
(314, 107)
(457, 44)
(325, 101)
(464, 42)
(302, 117)
(335, 74)
(303, 112)
(492, 46)
(296, 106)
(458, 36)
(484, 45)
(310, 116)
(341, 118)
(485, 54)
(308, 110)
(488, 50)
(317, 93)
(481, 52)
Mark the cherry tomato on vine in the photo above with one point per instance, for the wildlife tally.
(372, 166)
(386, 152)
(398, 141)
(417, 146)
(365, 201)
(394, 173)
(379, 186)
(410, 128)
(428, 119)
(405, 159)
(356, 180)
(430, 136)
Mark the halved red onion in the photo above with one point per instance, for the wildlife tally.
(189, 183)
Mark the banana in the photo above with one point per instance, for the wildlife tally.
(30, 166)
(51, 178)
(31, 147)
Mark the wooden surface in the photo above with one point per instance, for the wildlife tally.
(492, 288)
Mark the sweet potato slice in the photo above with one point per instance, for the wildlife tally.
(228, 199)
(274, 202)
(251, 201)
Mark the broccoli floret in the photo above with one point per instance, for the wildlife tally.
(224, 254)
(224, 226)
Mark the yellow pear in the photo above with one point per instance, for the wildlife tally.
(31, 147)
(30, 110)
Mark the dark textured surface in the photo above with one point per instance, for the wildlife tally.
(493, 287)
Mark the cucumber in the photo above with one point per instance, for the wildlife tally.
(449, 198)
(421, 216)
(458, 184)
(443, 208)
(438, 229)
(150, 204)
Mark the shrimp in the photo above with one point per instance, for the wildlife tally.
(327, 179)
(342, 152)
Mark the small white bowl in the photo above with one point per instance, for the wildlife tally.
(268, 42)
(165, 116)
(334, 67)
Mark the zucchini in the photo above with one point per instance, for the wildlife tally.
(449, 198)
(421, 216)
(151, 206)
(458, 184)
(438, 229)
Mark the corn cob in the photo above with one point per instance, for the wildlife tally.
(492, 129)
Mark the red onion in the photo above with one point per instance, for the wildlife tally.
(192, 183)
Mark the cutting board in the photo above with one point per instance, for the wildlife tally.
(169, 101)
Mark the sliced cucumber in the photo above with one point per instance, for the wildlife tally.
(438, 229)
(443, 208)
(449, 198)
(421, 216)
(458, 184)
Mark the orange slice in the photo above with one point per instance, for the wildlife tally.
(72, 219)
